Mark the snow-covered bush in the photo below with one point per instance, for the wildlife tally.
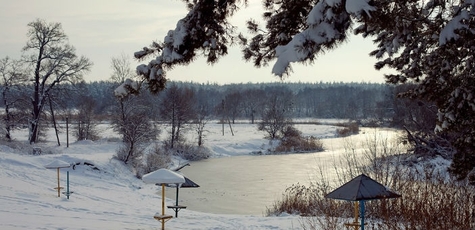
(293, 141)
(127, 153)
(190, 152)
(349, 129)
(155, 159)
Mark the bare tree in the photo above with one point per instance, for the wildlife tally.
(233, 105)
(131, 120)
(11, 76)
(202, 118)
(177, 108)
(86, 129)
(277, 113)
(121, 69)
(136, 129)
(252, 101)
(54, 61)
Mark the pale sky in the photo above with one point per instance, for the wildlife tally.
(101, 30)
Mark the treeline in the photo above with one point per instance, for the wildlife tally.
(237, 101)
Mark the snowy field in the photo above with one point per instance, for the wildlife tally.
(112, 197)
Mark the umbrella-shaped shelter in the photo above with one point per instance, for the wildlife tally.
(57, 164)
(360, 189)
(163, 177)
(188, 184)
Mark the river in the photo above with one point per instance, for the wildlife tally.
(247, 184)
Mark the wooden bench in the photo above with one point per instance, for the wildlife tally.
(176, 208)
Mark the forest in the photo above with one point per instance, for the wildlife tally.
(363, 102)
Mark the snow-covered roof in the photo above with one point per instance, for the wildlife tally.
(163, 176)
(57, 164)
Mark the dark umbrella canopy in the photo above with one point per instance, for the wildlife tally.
(362, 188)
(188, 184)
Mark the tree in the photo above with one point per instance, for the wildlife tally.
(233, 105)
(121, 73)
(201, 119)
(131, 118)
(136, 130)
(54, 61)
(211, 35)
(121, 69)
(86, 129)
(429, 43)
(277, 115)
(12, 75)
(177, 109)
(253, 99)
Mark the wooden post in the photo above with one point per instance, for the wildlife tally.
(222, 118)
(163, 206)
(67, 185)
(176, 201)
(67, 133)
(59, 188)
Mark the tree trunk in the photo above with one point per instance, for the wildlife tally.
(34, 122)
(252, 117)
(173, 129)
(7, 116)
(130, 152)
(54, 120)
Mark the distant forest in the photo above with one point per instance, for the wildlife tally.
(371, 102)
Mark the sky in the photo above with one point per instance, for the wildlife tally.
(102, 30)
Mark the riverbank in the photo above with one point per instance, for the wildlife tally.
(110, 197)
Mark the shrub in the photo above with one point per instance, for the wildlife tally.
(129, 153)
(155, 159)
(188, 151)
(430, 199)
(349, 129)
(86, 131)
(192, 153)
(293, 141)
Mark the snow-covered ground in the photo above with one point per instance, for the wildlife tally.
(111, 197)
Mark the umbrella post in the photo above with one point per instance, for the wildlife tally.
(163, 205)
(362, 210)
(356, 210)
(176, 202)
(59, 188)
(67, 184)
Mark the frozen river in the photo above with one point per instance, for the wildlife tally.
(247, 184)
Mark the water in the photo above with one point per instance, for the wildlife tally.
(247, 184)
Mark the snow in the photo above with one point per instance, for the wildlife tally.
(121, 91)
(57, 164)
(320, 31)
(163, 176)
(357, 6)
(448, 32)
(106, 195)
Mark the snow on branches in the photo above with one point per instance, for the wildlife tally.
(204, 28)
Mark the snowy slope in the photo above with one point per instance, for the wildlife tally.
(107, 195)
